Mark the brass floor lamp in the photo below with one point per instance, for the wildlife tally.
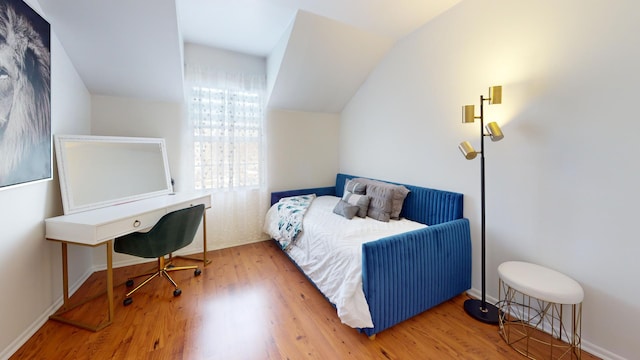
(480, 309)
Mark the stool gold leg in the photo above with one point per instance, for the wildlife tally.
(525, 321)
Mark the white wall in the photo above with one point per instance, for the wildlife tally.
(302, 149)
(562, 187)
(32, 270)
(224, 60)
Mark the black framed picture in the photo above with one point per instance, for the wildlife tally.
(25, 95)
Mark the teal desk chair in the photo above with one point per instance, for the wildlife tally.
(172, 232)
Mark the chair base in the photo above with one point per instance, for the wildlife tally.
(162, 271)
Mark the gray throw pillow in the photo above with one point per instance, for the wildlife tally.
(361, 201)
(343, 208)
(381, 202)
(355, 187)
(400, 193)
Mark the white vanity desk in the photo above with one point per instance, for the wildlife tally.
(101, 226)
(136, 200)
(94, 227)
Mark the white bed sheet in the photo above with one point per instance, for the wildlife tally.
(329, 251)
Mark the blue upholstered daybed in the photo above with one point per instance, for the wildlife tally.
(406, 274)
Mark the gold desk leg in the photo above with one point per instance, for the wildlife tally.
(110, 280)
(65, 276)
(204, 244)
(66, 306)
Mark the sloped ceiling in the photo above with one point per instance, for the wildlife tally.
(133, 48)
(324, 64)
(121, 47)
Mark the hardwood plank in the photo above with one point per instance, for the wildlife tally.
(251, 302)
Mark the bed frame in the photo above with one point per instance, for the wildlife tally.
(406, 274)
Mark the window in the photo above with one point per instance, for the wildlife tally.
(227, 138)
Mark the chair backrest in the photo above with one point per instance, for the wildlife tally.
(172, 232)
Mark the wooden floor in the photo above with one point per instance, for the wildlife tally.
(251, 302)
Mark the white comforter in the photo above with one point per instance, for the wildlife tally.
(329, 251)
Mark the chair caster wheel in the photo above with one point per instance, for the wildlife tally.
(170, 266)
(127, 301)
(177, 292)
(129, 283)
(197, 272)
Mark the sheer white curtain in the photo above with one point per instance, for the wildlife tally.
(225, 138)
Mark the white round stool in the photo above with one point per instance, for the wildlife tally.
(531, 311)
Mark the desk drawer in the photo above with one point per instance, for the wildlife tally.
(129, 225)
(190, 203)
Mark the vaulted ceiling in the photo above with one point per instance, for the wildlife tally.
(319, 51)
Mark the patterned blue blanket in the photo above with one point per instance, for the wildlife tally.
(291, 211)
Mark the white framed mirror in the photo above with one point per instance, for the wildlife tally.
(100, 171)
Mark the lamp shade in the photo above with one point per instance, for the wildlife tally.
(494, 131)
(495, 95)
(468, 114)
(467, 150)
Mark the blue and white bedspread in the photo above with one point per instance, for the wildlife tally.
(291, 211)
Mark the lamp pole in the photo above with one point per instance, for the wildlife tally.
(479, 309)
(482, 202)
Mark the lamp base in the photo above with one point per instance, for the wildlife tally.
(488, 315)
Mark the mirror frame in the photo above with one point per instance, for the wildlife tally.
(62, 158)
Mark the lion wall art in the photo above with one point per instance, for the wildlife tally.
(25, 95)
